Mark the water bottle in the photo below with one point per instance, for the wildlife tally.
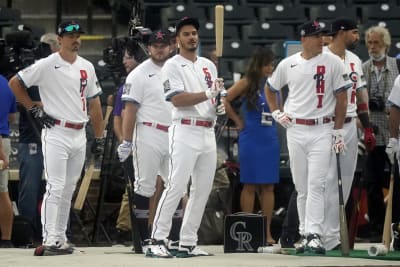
(269, 249)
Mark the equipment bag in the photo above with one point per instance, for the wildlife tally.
(244, 232)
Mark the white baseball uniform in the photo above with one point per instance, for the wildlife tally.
(192, 148)
(64, 89)
(144, 87)
(348, 160)
(311, 102)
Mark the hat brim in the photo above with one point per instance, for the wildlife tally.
(323, 31)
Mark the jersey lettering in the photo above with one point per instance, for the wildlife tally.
(353, 78)
(207, 78)
(83, 87)
(320, 84)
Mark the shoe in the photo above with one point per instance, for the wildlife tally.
(53, 250)
(123, 238)
(337, 247)
(191, 251)
(314, 244)
(173, 247)
(395, 231)
(6, 244)
(287, 241)
(302, 246)
(157, 249)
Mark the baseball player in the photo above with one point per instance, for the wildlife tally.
(345, 36)
(191, 85)
(317, 85)
(67, 83)
(146, 119)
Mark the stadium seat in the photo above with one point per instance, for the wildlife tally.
(319, 2)
(209, 3)
(330, 12)
(162, 3)
(172, 14)
(395, 48)
(8, 16)
(263, 3)
(361, 51)
(370, 2)
(237, 49)
(235, 14)
(267, 32)
(380, 12)
(283, 14)
(391, 25)
(207, 32)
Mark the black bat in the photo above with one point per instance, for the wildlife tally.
(344, 235)
(136, 239)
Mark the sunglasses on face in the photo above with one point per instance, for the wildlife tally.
(72, 27)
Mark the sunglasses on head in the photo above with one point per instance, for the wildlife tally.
(72, 27)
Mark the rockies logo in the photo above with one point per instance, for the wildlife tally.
(242, 237)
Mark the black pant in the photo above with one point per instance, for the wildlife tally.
(290, 226)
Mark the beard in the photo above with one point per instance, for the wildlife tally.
(377, 57)
(351, 46)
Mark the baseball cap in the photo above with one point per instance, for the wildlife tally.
(186, 21)
(160, 36)
(311, 28)
(344, 24)
(69, 27)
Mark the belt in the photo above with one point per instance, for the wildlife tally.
(346, 120)
(5, 136)
(157, 126)
(71, 125)
(196, 122)
(313, 121)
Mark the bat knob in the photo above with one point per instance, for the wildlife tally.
(377, 250)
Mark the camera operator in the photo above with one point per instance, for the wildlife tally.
(30, 155)
(132, 57)
(380, 72)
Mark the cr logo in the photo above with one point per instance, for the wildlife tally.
(242, 237)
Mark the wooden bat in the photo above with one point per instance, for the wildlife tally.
(344, 235)
(219, 30)
(136, 238)
(86, 180)
(388, 215)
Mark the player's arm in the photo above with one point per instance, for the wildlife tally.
(20, 92)
(362, 107)
(184, 99)
(96, 116)
(394, 121)
(129, 120)
(340, 109)
(271, 98)
(236, 90)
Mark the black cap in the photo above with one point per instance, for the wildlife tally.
(312, 28)
(342, 24)
(186, 21)
(69, 27)
(160, 36)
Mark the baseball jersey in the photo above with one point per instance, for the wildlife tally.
(144, 87)
(7, 105)
(353, 67)
(323, 74)
(63, 87)
(394, 96)
(183, 75)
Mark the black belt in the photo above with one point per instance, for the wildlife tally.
(5, 136)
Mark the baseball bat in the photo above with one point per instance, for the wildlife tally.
(344, 235)
(136, 238)
(86, 180)
(388, 214)
(219, 30)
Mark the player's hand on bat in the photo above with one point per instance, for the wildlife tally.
(215, 89)
(369, 139)
(124, 150)
(392, 148)
(282, 118)
(98, 146)
(42, 117)
(338, 144)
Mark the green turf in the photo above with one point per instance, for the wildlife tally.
(356, 253)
